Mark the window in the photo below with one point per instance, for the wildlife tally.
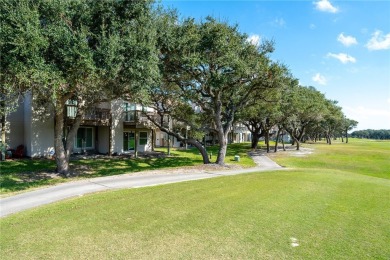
(129, 112)
(143, 138)
(84, 138)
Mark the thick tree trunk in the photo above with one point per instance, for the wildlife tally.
(181, 138)
(62, 158)
(200, 148)
(222, 149)
(255, 140)
(63, 144)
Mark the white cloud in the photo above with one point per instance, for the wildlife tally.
(346, 40)
(320, 79)
(254, 39)
(379, 41)
(325, 6)
(369, 118)
(344, 58)
(278, 22)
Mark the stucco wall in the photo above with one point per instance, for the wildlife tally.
(39, 131)
(103, 137)
(14, 134)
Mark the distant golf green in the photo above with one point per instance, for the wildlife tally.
(333, 203)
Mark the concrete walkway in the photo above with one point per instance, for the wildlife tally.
(27, 200)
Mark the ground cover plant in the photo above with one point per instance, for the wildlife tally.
(309, 212)
(21, 175)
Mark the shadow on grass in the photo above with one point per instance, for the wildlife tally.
(13, 184)
(23, 174)
(107, 167)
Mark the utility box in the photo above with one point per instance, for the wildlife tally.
(237, 158)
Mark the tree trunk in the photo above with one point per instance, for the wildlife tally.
(284, 149)
(267, 139)
(3, 128)
(201, 149)
(298, 144)
(181, 138)
(222, 139)
(62, 159)
(255, 140)
(277, 140)
(63, 146)
(2, 113)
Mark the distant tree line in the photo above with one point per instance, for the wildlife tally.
(382, 134)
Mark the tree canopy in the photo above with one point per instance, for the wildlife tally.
(79, 50)
(203, 76)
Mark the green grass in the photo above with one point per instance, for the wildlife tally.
(22, 175)
(366, 157)
(334, 212)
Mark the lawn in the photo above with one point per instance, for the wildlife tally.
(312, 211)
(26, 174)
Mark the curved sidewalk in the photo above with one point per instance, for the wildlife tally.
(27, 200)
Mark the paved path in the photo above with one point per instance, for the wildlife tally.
(52, 194)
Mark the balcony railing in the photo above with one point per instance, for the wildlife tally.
(93, 114)
(136, 118)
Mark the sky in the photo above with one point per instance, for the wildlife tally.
(342, 48)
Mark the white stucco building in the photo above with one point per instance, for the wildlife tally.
(115, 126)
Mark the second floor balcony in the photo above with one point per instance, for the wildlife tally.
(136, 119)
(93, 116)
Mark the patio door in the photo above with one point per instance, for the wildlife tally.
(128, 141)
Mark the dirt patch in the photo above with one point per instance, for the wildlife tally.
(190, 169)
(37, 176)
(77, 171)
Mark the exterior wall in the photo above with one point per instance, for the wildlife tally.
(162, 140)
(25, 126)
(14, 133)
(103, 135)
(38, 131)
(27, 123)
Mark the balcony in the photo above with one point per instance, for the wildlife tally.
(136, 119)
(93, 116)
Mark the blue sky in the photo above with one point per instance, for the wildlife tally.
(342, 48)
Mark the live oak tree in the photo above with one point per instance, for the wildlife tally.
(82, 50)
(302, 107)
(216, 69)
(347, 125)
(264, 112)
